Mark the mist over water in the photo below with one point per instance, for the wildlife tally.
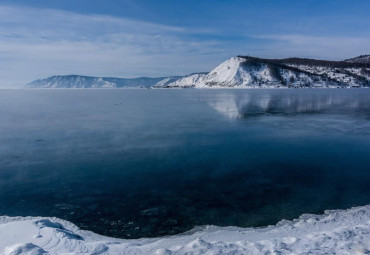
(140, 163)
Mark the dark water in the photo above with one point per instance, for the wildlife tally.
(140, 163)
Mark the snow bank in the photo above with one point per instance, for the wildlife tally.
(335, 232)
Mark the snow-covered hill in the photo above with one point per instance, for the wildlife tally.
(249, 72)
(186, 81)
(78, 81)
(238, 72)
(335, 232)
(360, 59)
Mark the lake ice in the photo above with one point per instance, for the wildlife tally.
(149, 163)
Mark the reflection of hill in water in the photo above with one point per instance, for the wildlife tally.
(246, 105)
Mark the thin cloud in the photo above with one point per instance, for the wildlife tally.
(37, 42)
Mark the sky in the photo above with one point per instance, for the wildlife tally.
(156, 38)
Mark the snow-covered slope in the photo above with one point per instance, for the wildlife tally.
(71, 81)
(335, 232)
(249, 72)
(231, 73)
(360, 59)
(242, 72)
(166, 81)
(78, 81)
(183, 82)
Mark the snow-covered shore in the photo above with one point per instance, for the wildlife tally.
(335, 232)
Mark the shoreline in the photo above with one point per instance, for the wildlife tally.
(335, 231)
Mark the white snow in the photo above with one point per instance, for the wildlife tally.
(187, 81)
(334, 232)
(229, 73)
(239, 72)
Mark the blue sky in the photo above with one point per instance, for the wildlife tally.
(131, 38)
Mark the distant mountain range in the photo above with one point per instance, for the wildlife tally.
(238, 72)
(79, 81)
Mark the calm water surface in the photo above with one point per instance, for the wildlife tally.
(140, 163)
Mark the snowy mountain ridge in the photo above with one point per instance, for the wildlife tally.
(238, 72)
(250, 72)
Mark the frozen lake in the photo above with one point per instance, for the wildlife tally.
(143, 163)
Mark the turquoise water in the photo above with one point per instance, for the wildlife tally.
(140, 163)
